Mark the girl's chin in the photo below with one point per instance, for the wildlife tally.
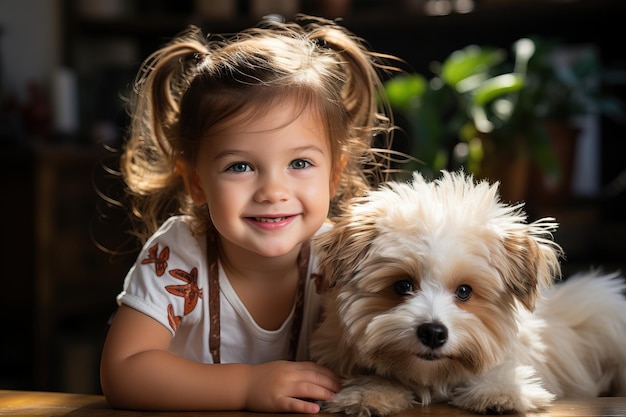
(274, 252)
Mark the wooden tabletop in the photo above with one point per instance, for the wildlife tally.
(49, 404)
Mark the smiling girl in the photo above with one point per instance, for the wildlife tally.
(240, 148)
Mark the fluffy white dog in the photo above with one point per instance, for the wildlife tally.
(438, 291)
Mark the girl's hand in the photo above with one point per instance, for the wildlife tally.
(290, 387)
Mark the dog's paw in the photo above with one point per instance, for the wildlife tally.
(520, 394)
(499, 404)
(366, 397)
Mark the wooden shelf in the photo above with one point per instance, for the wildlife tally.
(75, 284)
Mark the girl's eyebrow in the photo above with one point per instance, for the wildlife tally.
(242, 152)
(227, 153)
(313, 148)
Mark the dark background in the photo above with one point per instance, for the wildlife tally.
(58, 287)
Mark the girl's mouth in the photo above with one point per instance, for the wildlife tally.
(271, 223)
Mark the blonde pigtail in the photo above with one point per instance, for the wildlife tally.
(368, 150)
(150, 162)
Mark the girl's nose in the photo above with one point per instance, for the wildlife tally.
(272, 189)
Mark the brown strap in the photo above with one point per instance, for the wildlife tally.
(214, 300)
(296, 324)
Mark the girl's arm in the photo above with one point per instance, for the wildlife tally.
(138, 372)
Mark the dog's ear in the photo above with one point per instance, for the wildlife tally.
(342, 248)
(532, 261)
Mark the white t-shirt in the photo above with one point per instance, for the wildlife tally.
(173, 258)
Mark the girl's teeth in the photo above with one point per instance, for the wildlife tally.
(269, 219)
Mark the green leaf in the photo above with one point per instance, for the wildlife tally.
(496, 87)
(469, 61)
(403, 89)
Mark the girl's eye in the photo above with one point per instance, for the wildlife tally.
(403, 287)
(463, 292)
(300, 164)
(239, 167)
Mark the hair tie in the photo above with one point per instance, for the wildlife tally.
(199, 57)
(321, 43)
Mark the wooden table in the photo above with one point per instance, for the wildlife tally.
(49, 404)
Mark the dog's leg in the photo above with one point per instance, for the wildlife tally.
(370, 396)
(509, 388)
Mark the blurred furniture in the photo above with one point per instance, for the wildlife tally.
(75, 281)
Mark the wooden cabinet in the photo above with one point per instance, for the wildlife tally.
(75, 281)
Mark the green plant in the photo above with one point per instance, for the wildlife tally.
(483, 103)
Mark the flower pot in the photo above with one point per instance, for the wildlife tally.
(510, 166)
(553, 190)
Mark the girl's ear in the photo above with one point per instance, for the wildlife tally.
(192, 184)
(336, 174)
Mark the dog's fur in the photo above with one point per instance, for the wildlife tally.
(438, 291)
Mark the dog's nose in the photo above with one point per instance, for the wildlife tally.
(433, 335)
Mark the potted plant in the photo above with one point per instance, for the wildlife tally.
(497, 114)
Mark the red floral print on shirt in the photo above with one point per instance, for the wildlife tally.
(189, 291)
(158, 259)
(174, 320)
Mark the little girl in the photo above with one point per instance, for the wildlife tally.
(240, 148)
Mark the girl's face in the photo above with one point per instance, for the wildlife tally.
(267, 181)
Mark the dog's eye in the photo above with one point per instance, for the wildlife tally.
(403, 287)
(463, 292)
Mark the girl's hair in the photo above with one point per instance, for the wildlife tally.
(195, 85)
